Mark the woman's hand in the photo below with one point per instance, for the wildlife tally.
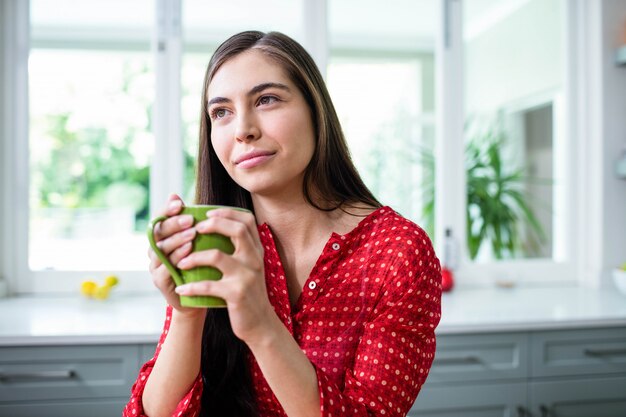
(173, 236)
(243, 280)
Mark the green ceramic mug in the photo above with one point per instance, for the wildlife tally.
(200, 242)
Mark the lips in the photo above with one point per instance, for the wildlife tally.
(253, 158)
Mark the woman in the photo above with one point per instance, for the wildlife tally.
(332, 300)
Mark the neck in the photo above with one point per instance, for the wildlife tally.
(295, 223)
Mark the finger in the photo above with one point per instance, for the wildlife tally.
(225, 289)
(244, 217)
(164, 283)
(172, 225)
(161, 278)
(170, 244)
(212, 257)
(201, 288)
(155, 262)
(246, 243)
(173, 206)
(180, 253)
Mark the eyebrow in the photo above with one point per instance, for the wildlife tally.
(254, 90)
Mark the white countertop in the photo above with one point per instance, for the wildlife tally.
(502, 309)
(126, 319)
(77, 320)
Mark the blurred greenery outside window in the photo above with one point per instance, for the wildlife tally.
(91, 93)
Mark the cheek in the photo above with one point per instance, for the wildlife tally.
(222, 148)
(296, 127)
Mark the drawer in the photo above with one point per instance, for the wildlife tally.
(75, 408)
(586, 396)
(579, 352)
(471, 400)
(480, 357)
(66, 372)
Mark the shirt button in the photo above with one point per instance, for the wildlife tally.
(335, 246)
(312, 285)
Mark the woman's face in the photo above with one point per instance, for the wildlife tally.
(261, 127)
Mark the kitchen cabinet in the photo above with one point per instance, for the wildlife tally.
(90, 380)
(564, 373)
(564, 357)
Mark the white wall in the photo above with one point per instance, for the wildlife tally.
(614, 136)
(517, 57)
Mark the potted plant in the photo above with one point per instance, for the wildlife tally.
(497, 207)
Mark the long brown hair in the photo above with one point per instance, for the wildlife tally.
(330, 182)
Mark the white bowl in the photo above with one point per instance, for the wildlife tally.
(619, 278)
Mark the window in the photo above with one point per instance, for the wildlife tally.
(511, 100)
(422, 89)
(519, 169)
(381, 78)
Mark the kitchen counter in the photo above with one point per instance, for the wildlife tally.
(76, 320)
(139, 319)
(502, 309)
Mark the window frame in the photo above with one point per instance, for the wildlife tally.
(167, 169)
(449, 153)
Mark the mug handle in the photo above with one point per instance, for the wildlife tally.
(172, 270)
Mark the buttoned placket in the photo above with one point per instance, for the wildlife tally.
(320, 273)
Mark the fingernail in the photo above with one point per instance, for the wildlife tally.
(201, 226)
(175, 204)
(182, 289)
(183, 263)
(212, 212)
(185, 220)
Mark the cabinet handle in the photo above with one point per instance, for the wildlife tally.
(67, 374)
(604, 352)
(458, 360)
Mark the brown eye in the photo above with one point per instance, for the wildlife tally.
(264, 100)
(218, 113)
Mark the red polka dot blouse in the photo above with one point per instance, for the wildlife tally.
(365, 319)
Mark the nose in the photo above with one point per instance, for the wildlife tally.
(247, 128)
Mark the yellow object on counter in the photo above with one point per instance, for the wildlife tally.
(91, 289)
(111, 281)
(101, 293)
(88, 287)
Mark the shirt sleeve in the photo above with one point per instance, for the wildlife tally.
(189, 406)
(397, 348)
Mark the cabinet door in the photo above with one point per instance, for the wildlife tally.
(477, 400)
(480, 357)
(590, 397)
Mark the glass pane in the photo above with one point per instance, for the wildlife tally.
(381, 79)
(213, 21)
(514, 66)
(70, 15)
(393, 24)
(206, 24)
(90, 148)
